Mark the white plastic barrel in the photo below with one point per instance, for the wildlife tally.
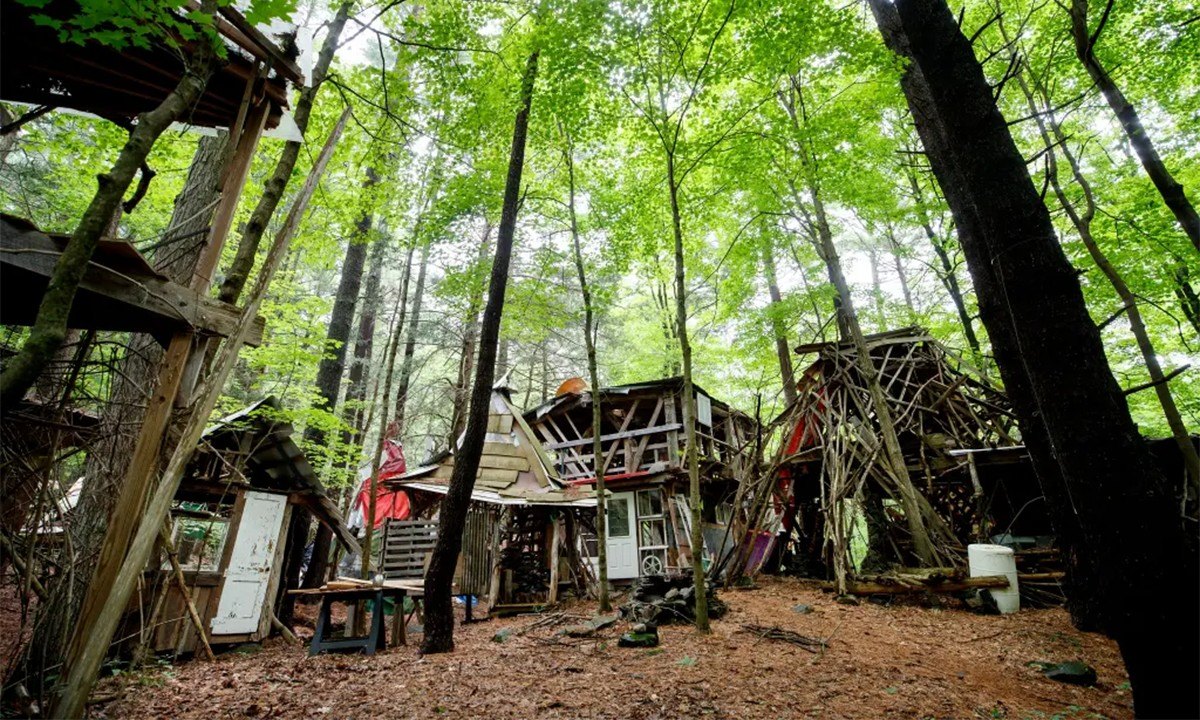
(996, 560)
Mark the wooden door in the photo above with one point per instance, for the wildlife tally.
(251, 565)
(622, 542)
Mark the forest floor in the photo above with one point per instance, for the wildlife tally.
(902, 661)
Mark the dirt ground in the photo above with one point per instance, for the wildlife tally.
(902, 661)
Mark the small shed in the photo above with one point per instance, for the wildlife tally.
(642, 439)
(228, 533)
(520, 542)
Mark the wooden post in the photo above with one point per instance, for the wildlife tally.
(553, 598)
(144, 461)
(92, 640)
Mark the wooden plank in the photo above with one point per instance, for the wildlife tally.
(504, 449)
(671, 426)
(496, 474)
(501, 462)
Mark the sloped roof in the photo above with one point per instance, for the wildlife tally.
(514, 468)
(275, 462)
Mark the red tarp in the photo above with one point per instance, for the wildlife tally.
(388, 503)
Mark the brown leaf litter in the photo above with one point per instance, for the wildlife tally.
(902, 661)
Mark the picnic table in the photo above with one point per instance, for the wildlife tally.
(375, 639)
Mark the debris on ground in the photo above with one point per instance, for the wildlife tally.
(1072, 672)
(665, 600)
(775, 632)
(641, 635)
(802, 609)
(901, 661)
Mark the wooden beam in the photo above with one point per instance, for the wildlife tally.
(615, 436)
(29, 256)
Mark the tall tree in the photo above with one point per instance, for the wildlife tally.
(778, 328)
(333, 362)
(589, 342)
(1085, 39)
(1113, 510)
(439, 612)
(1056, 142)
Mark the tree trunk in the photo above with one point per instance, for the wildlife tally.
(1188, 299)
(239, 271)
(689, 407)
(782, 349)
(50, 327)
(377, 456)
(333, 364)
(589, 341)
(1053, 135)
(1171, 191)
(410, 341)
(466, 364)
(124, 410)
(947, 276)
(439, 613)
(1114, 512)
(919, 518)
(898, 262)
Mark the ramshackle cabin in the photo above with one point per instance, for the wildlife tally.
(520, 542)
(643, 462)
(228, 535)
(960, 445)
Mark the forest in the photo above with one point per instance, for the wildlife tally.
(462, 325)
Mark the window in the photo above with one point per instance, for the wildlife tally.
(618, 518)
(199, 543)
(652, 532)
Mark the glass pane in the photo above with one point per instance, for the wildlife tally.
(649, 502)
(199, 542)
(653, 532)
(618, 517)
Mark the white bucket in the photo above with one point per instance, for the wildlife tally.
(997, 560)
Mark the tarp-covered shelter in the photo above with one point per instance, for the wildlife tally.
(520, 540)
(229, 528)
(644, 465)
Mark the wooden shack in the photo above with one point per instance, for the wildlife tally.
(520, 543)
(643, 462)
(228, 534)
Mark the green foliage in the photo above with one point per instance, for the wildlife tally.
(799, 101)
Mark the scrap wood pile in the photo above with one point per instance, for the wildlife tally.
(917, 580)
(664, 600)
(936, 405)
(775, 632)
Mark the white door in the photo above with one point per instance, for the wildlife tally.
(249, 572)
(621, 545)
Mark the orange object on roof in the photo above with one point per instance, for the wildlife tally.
(572, 386)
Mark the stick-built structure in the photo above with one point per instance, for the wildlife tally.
(833, 492)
